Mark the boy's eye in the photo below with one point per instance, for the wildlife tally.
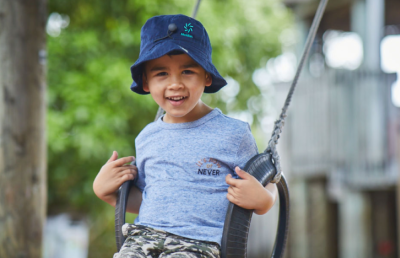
(161, 74)
(187, 72)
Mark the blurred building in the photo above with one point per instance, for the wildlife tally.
(341, 140)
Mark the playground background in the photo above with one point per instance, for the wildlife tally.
(339, 149)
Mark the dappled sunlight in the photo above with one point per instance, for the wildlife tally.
(390, 63)
(396, 91)
(55, 23)
(390, 54)
(230, 91)
(343, 49)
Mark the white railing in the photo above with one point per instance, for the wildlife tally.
(342, 125)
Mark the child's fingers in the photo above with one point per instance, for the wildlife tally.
(113, 157)
(126, 169)
(129, 166)
(132, 173)
(241, 173)
(120, 162)
(127, 177)
(129, 171)
(231, 191)
(231, 181)
(231, 198)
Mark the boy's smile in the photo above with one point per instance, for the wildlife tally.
(176, 83)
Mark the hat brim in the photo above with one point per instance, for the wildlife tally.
(166, 46)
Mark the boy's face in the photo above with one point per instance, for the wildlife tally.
(176, 83)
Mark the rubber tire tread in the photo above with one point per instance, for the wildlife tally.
(120, 210)
(237, 220)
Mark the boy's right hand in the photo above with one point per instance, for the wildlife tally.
(111, 176)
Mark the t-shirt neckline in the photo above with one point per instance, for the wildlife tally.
(187, 125)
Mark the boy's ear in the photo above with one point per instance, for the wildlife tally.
(208, 79)
(145, 83)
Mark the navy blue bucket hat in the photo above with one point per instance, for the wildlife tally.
(164, 34)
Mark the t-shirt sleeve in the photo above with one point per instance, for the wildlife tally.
(247, 149)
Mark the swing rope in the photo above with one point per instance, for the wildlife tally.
(196, 8)
(160, 111)
(281, 121)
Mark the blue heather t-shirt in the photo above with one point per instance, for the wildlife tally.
(182, 169)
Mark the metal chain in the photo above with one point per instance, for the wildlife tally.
(160, 111)
(281, 121)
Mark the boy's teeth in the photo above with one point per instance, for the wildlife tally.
(176, 98)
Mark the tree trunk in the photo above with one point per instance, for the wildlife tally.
(22, 127)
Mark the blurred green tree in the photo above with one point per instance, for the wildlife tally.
(91, 110)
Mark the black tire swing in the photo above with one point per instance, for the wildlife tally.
(265, 167)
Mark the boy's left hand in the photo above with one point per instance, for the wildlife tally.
(248, 193)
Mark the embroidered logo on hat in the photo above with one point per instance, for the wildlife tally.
(188, 28)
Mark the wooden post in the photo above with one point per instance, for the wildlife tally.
(22, 127)
(298, 238)
(355, 238)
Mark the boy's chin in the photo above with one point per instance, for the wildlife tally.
(177, 117)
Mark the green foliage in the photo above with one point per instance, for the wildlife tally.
(91, 110)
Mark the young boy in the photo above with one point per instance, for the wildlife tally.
(188, 161)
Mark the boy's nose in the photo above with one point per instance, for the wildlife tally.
(175, 86)
(176, 83)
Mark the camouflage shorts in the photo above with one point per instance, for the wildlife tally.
(145, 242)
